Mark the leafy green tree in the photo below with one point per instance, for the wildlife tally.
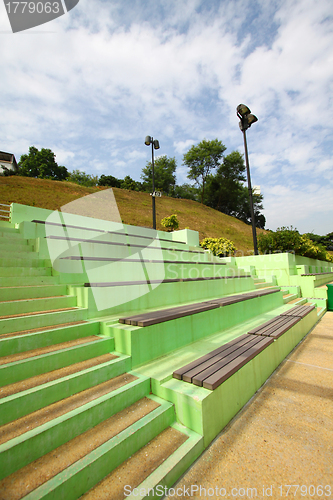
(109, 180)
(187, 192)
(164, 174)
(202, 159)
(82, 178)
(224, 189)
(244, 212)
(326, 241)
(41, 164)
(131, 184)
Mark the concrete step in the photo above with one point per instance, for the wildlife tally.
(12, 238)
(154, 468)
(288, 297)
(31, 291)
(263, 284)
(17, 367)
(24, 271)
(24, 260)
(37, 434)
(15, 342)
(23, 322)
(78, 465)
(8, 227)
(15, 281)
(23, 306)
(18, 246)
(20, 398)
(10, 233)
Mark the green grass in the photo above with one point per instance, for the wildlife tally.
(134, 208)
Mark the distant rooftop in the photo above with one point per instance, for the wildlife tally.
(8, 158)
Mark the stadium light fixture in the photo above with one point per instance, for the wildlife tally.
(154, 145)
(246, 120)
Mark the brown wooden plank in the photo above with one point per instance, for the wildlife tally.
(219, 354)
(256, 330)
(224, 373)
(180, 371)
(292, 320)
(269, 329)
(198, 379)
(300, 311)
(133, 320)
(176, 314)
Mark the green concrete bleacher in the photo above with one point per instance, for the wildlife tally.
(83, 347)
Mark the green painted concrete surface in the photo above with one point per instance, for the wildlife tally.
(33, 444)
(85, 473)
(32, 269)
(28, 401)
(29, 367)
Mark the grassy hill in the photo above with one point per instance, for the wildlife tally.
(134, 208)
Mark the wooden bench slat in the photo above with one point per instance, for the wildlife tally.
(118, 233)
(285, 327)
(280, 324)
(256, 330)
(110, 284)
(225, 372)
(175, 315)
(199, 378)
(269, 326)
(220, 353)
(160, 313)
(155, 317)
(180, 371)
(151, 261)
(300, 311)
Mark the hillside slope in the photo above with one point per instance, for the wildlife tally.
(135, 208)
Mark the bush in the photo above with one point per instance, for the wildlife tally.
(170, 223)
(220, 247)
(82, 178)
(290, 240)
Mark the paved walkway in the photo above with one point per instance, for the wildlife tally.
(283, 436)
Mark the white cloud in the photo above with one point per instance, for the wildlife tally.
(110, 75)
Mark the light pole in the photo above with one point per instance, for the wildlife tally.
(154, 145)
(246, 119)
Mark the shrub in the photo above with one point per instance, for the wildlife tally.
(220, 247)
(170, 223)
(290, 240)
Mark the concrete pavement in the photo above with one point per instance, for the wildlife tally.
(281, 443)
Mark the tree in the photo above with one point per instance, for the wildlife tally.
(224, 189)
(202, 159)
(244, 211)
(109, 180)
(41, 164)
(131, 184)
(164, 174)
(187, 192)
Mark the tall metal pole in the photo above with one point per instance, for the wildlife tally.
(153, 195)
(254, 232)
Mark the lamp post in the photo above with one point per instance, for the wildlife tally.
(246, 119)
(154, 145)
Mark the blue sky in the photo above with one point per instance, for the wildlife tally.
(93, 83)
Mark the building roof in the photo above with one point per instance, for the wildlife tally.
(8, 157)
